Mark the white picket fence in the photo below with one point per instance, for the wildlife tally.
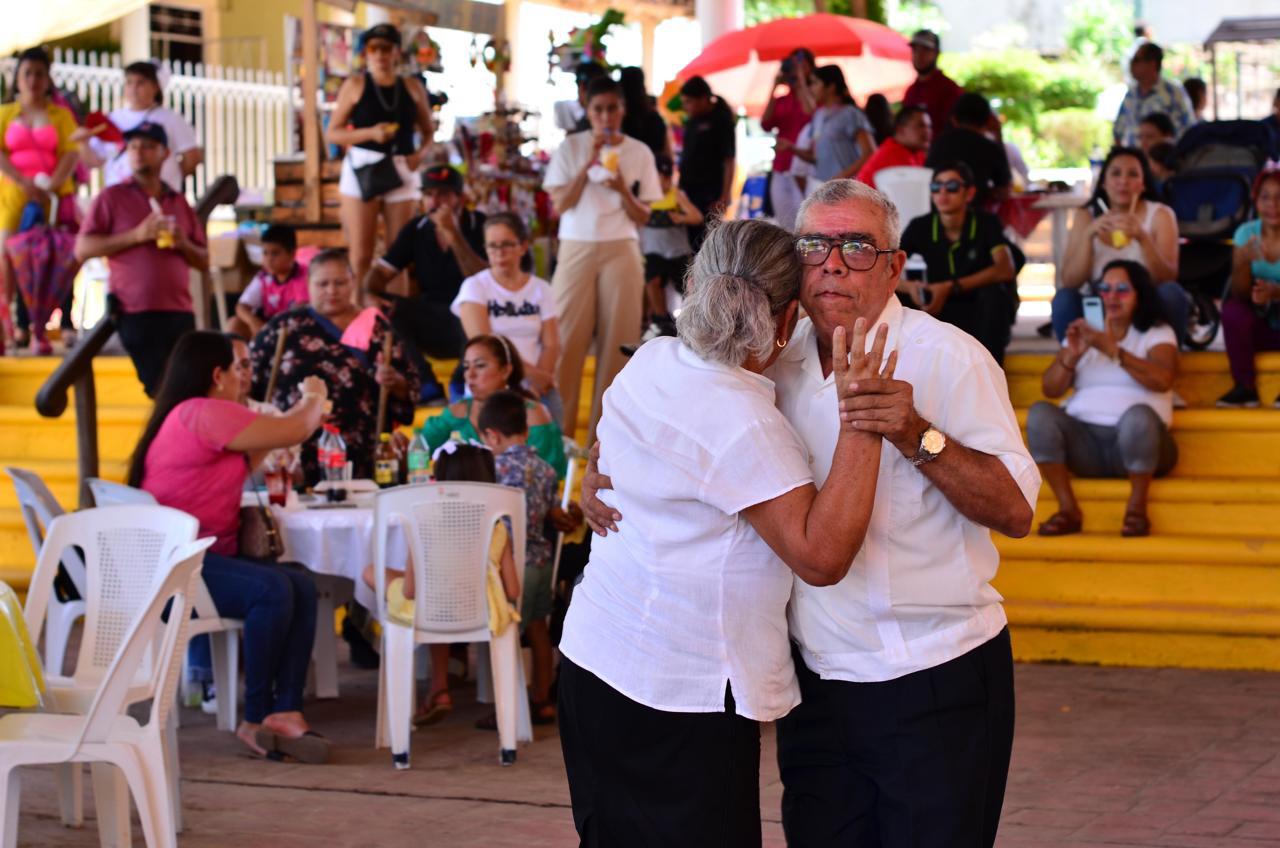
(241, 115)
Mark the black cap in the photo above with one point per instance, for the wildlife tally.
(926, 38)
(382, 32)
(148, 129)
(442, 176)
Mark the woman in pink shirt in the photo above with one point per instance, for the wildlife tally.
(195, 455)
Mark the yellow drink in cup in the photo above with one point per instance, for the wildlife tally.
(1119, 239)
(164, 236)
(609, 159)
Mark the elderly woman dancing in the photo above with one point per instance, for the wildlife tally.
(676, 646)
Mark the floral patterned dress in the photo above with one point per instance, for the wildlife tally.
(313, 346)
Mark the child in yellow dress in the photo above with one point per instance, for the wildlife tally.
(457, 463)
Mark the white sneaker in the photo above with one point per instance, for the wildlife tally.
(1179, 402)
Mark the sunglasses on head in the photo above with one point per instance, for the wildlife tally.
(1108, 288)
(949, 186)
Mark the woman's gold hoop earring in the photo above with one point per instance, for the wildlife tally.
(781, 343)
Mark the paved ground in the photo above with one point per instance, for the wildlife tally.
(1103, 757)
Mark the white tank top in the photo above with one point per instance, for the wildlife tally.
(1105, 252)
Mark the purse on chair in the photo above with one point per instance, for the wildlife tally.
(378, 178)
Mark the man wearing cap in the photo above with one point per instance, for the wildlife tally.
(571, 115)
(932, 89)
(444, 245)
(151, 239)
(788, 114)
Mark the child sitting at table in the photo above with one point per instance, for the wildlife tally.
(456, 462)
(279, 286)
(504, 426)
(664, 241)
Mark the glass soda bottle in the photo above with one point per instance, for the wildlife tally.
(386, 468)
(419, 460)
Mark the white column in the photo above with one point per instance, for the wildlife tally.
(647, 28)
(135, 35)
(716, 17)
(509, 32)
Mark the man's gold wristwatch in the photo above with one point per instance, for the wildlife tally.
(932, 441)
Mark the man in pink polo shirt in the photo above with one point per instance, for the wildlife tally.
(151, 237)
(909, 144)
(932, 89)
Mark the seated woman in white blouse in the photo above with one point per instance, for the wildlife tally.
(507, 300)
(675, 645)
(1116, 422)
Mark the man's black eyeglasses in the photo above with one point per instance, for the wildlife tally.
(856, 255)
(951, 186)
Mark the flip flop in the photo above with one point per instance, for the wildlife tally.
(1061, 524)
(435, 712)
(310, 747)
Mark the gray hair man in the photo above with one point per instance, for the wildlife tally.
(905, 727)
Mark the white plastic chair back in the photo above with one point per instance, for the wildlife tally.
(447, 527)
(39, 507)
(139, 650)
(908, 187)
(107, 493)
(124, 547)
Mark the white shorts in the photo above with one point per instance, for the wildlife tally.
(358, 157)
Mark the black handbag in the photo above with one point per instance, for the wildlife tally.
(378, 178)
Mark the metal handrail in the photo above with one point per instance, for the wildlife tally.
(76, 368)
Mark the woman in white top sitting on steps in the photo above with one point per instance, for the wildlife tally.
(1116, 423)
(676, 643)
(1123, 220)
(507, 300)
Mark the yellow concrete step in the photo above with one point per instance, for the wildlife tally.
(115, 381)
(1109, 548)
(1202, 379)
(1200, 506)
(1223, 442)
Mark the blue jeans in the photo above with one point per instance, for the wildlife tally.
(278, 605)
(1068, 306)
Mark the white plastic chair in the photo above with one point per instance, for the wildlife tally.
(145, 662)
(447, 527)
(908, 187)
(124, 548)
(39, 508)
(223, 632)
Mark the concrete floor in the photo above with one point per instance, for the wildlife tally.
(1103, 757)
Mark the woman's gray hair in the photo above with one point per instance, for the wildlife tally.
(840, 192)
(744, 275)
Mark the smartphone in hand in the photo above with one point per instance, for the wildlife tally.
(1094, 314)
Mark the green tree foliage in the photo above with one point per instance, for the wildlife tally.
(1099, 31)
(760, 11)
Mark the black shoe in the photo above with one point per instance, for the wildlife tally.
(1045, 330)
(363, 654)
(1239, 397)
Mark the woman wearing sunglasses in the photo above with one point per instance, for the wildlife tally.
(1123, 220)
(969, 264)
(375, 118)
(1116, 422)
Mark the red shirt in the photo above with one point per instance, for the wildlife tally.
(789, 118)
(938, 94)
(891, 154)
(144, 277)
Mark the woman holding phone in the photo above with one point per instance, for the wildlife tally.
(1116, 422)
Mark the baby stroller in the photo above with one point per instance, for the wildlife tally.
(1210, 195)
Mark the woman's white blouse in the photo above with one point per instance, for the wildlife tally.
(686, 597)
(1103, 390)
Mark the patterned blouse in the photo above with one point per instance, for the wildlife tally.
(520, 467)
(313, 347)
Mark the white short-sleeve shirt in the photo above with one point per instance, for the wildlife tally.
(686, 597)
(919, 592)
(181, 139)
(1103, 390)
(599, 215)
(518, 315)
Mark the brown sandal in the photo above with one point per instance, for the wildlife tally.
(1061, 524)
(1135, 524)
(434, 711)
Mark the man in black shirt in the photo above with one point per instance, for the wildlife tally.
(445, 245)
(707, 155)
(970, 266)
(966, 142)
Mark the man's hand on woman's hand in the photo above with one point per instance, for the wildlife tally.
(601, 517)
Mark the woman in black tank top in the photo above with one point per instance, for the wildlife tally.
(377, 114)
